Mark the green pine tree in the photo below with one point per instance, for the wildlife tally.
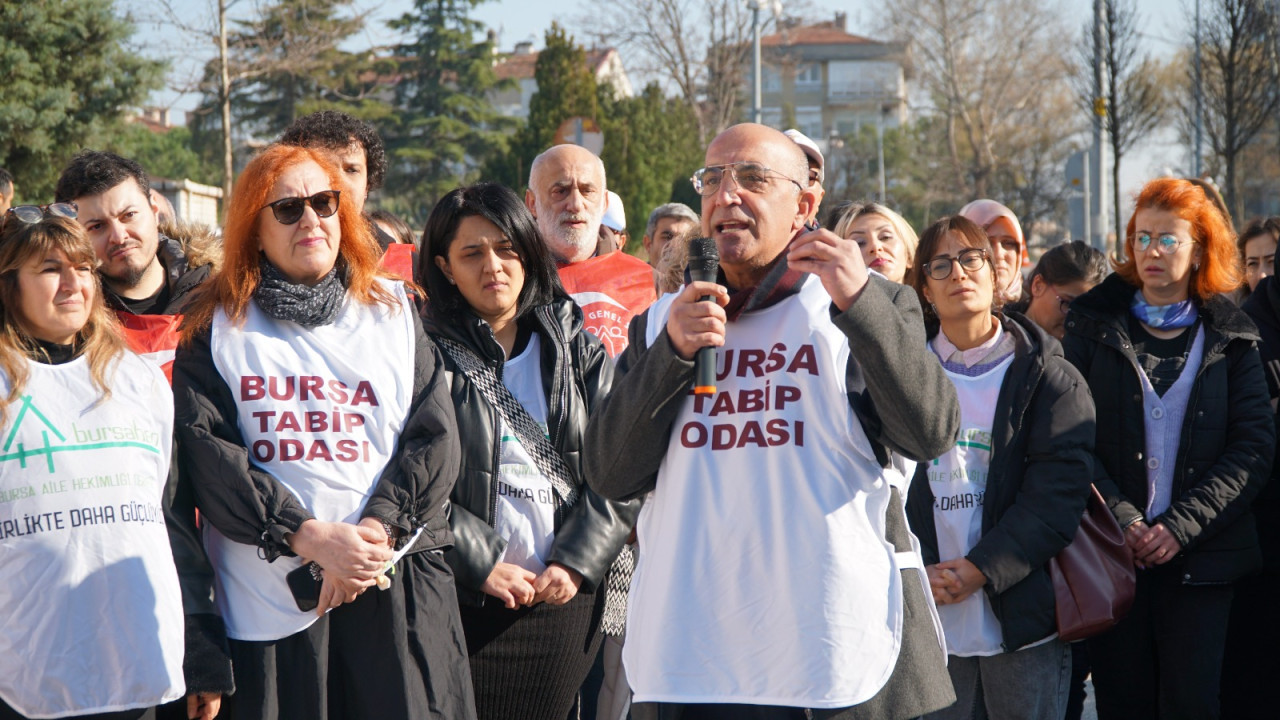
(448, 127)
(67, 76)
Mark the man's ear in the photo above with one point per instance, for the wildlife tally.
(806, 204)
(531, 202)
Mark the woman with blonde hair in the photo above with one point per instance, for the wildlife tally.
(316, 424)
(886, 239)
(1184, 441)
(93, 611)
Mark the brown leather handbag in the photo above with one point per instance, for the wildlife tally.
(1093, 577)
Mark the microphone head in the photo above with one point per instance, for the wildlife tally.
(704, 258)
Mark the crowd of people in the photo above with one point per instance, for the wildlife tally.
(314, 464)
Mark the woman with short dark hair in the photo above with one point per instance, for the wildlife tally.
(1185, 440)
(996, 508)
(533, 542)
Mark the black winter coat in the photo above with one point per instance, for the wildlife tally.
(251, 506)
(1041, 464)
(576, 375)
(1228, 437)
(1263, 307)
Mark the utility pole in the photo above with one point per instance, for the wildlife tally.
(756, 111)
(1199, 139)
(1097, 176)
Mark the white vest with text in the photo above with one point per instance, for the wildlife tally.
(93, 617)
(321, 410)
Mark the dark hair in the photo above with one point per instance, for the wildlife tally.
(502, 207)
(6, 181)
(972, 235)
(334, 130)
(399, 228)
(97, 171)
(1071, 262)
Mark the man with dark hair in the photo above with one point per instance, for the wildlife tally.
(777, 576)
(6, 190)
(147, 278)
(355, 147)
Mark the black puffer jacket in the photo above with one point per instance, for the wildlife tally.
(1041, 461)
(1225, 450)
(576, 374)
(250, 506)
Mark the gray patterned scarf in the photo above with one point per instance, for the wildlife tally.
(307, 305)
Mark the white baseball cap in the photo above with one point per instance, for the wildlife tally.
(810, 149)
(614, 217)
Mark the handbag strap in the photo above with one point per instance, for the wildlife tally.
(531, 436)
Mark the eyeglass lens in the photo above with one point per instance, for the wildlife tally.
(751, 177)
(288, 211)
(1167, 243)
(940, 267)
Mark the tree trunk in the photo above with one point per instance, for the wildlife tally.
(225, 93)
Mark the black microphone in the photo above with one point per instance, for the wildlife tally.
(704, 261)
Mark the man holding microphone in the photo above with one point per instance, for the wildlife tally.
(777, 577)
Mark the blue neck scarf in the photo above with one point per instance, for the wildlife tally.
(1164, 317)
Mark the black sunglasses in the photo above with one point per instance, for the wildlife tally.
(288, 211)
(32, 214)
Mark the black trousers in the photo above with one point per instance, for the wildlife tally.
(1165, 659)
(398, 653)
(1252, 660)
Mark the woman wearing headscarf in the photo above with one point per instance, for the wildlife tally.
(93, 610)
(316, 426)
(996, 508)
(533, 543)
(1185, 440)
(1002, 226)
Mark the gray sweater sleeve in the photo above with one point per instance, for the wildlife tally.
(629, 431)
(896, 386)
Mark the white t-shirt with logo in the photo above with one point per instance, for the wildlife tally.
(526, 506)
(958, 480)
(93, 619)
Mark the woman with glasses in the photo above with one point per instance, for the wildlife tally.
(93, 610)
(1184, 441)
(994, 510)
(886, 239)
(1064, 273)
(533, 543)
(316, 426)
(1257, 244)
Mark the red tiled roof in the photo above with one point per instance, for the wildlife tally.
(823, 33)
(522, 66)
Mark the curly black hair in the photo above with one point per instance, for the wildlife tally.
(97, 171)
(334, 130)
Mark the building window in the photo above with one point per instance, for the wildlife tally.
(770, 79)
(809, 74)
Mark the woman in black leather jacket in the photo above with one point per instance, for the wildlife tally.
(1185, 441)
(533, 543)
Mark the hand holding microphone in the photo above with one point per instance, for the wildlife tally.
(696, 324)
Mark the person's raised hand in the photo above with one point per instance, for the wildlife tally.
(835, 260)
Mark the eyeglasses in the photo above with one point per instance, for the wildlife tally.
(1064, 303)
(750, 176)
(32, 214)
(970, 260)
(289, 210)
(1168, 243)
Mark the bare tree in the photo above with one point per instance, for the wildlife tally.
(1135, 101)
(986, 66)
(701, 48)
(1239, 83)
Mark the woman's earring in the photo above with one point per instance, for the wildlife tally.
(1196, 266)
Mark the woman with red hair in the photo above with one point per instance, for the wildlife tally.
(1184, 442)
(317, 428)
